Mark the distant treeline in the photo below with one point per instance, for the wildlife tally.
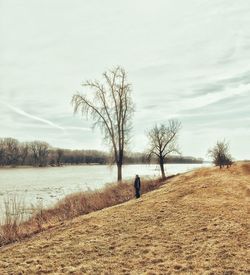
(133, 158)
(41, 154)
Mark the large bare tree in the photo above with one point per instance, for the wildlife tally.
(111, 108)
(163, 141)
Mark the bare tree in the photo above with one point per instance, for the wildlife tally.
(59, 156)
(10, 151)
(163, 141)
(23, 151)
(2, 152)
(39, 153)
(111, 108)
(220, 154)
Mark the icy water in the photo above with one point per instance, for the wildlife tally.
(48, 185)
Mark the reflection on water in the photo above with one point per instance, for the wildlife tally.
(48, 185)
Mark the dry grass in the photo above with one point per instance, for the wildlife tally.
(13, 218)
(198, 223)
(16, 228)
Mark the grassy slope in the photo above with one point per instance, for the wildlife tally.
(197, 223)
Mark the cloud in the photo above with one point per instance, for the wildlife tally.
(30, 116)
(225, 82)
(44, 121)
(210, 98)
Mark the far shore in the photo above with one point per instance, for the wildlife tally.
(90, 164)
(48, 166)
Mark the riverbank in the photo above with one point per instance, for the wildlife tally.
(16, 227)
(49, 185)
(197, 223)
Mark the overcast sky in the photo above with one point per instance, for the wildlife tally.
(185, 59)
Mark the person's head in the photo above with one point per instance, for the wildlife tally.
(137, 176)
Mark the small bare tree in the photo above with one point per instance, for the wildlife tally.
(59, 156)
(111, 108)
(163, 141)
(220, 154)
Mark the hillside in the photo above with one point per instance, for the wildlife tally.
(197, 223)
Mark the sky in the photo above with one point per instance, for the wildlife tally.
(187, 60)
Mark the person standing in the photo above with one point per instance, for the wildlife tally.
(137, 185)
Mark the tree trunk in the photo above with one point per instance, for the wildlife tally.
(119, 172)
(119, 165)
(162, 169)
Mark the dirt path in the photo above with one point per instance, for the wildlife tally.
(198, 223)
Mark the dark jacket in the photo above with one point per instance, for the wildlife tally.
(137, 183)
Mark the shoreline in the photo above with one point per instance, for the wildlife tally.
(93, 164)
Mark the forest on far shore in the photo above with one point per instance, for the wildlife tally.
(41, 154)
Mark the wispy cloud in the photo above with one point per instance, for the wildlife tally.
(30, 116)
(210, 98)
(42, 120)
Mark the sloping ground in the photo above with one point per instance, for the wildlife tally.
(197, 223)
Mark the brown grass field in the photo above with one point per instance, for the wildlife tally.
(197, 223)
